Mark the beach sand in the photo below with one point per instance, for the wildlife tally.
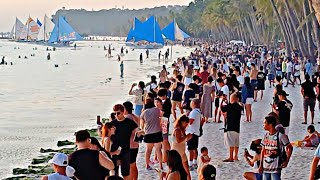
(299, 165)
(42, 104)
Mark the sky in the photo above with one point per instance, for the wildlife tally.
(10, 9)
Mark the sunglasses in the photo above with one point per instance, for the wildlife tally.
(117, 113)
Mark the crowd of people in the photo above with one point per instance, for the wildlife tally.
(216, 83)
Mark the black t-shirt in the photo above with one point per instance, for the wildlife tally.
(233, 116)
(122, 135)
(261, 77)
(87, 166)
(166, 108)
(188, 95)
(308, 88)
(178, 91)
(284, 108)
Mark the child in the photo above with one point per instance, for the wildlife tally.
(311, 140)
(204, 159)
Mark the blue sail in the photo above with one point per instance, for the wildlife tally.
(149, 31)
(185, 35)
(173, 32)
(168, 31)
(136, 23)
(63, 32)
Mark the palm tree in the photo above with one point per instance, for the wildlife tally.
(316, 6)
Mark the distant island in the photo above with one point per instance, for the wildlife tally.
(114, 22)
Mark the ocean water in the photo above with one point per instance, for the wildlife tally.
(41, 104)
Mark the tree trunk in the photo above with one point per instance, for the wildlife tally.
(316, 25)
(282, 27)
(295, 24)
(309, 28)
(316, 6)
(252, 34)
(290, 31)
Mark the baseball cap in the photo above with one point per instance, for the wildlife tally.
(59, 159)
(196, 68)
(282, 93)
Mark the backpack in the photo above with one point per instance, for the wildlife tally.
(281, 151)
(201, 123)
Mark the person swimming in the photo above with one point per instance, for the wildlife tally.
(48, 56)
(141, 58)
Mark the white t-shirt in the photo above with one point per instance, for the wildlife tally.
(297, 70)
(56, 176)
(225, 90)
(153, 86)
(194, 128)
(240, 79)
(225, 68)
(289, 67)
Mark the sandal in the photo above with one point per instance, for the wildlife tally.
(303, 123)
(227, 160)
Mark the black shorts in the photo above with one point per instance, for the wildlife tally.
(124, 157)
(216, 102)
(261, 86)
(193, 143)
(153, 138)
(133, 155)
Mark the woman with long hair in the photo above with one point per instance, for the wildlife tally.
(207, 99)
(139, 94)
(107, 131)
(188, 75)
(179, 139)
(253, 160)
(247, 97)
(163, 75)
(150, 123)
(176, 169)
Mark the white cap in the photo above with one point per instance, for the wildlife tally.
(196, 67)
(59, 159)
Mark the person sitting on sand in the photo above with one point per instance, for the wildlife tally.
(60, 167)
(312, 139)
(253, 161)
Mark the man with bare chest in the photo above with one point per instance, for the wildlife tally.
(253, 78)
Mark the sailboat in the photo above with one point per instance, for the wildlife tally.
(63, 34)
(130, 38)
(45, 30)
(16, 30)
(30, 31)
(173, 32)
(148, 35)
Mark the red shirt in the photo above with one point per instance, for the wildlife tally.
(204, 76)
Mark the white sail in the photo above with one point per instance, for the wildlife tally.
(19, 27)
(178, 33)
(24, 33)
(11, 36)
(33, 29)
(45, 30)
